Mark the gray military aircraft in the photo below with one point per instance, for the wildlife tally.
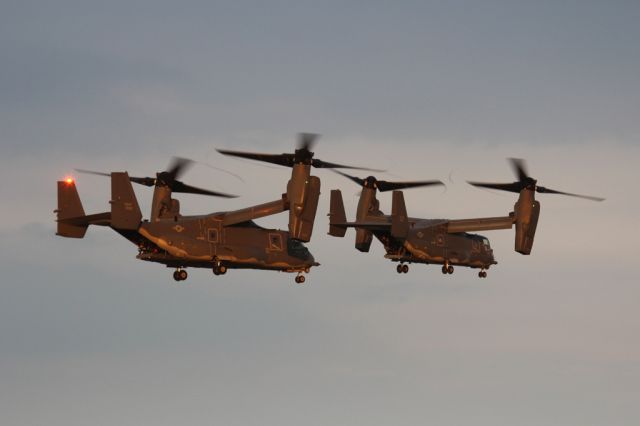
(220, 241)
(439, 241)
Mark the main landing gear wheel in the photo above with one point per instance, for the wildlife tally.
(219, 269)
(180, 275)
(402, 268)
(482, 274)
(447, 268)
(300, 279)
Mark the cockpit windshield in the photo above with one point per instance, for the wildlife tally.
(296, 249)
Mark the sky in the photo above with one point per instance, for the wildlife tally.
(425, 90)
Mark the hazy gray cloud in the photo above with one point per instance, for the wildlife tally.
(427, 90)
(137, 73)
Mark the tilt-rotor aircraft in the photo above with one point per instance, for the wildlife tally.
(219, 241)
(439, 241)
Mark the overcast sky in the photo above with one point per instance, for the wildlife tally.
(430, 90)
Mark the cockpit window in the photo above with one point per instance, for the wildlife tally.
(296, 249)
(485, 242)
(275, 242)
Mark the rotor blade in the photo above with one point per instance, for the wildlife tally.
(281, 159)
(384, 186)
(511, 187)
(146, 181)
(178, 186)
(327, 165)
(543, 190)
(353, 178)
(223, 170)
(91, 172)
(519, 168)
(307, 140)
(178, 167)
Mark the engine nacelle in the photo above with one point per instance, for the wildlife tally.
(303, 193)
(526, 211)
(367, 205)
(363, 240)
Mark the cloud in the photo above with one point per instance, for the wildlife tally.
(423, 90)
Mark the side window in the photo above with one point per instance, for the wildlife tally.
(212, 235)
(275, 242)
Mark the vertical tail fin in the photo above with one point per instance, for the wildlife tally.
(125, 212)
(337, 214)
(399, 219)
(69, 207)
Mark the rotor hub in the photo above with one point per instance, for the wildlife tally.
(530, 183)
(303, 156)
(527, 182)
(371, 182)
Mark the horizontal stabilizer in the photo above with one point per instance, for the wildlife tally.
(370, 226)
(100, 219)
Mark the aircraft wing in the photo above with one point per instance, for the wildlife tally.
(253, 212)
(479, 224)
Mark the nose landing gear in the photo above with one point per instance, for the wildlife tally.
(482, 274)
(300, 279)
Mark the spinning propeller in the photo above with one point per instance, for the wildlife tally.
(302, 155)
(169, 178)
(525, 181)
(383, 185)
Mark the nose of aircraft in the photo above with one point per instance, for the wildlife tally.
(311, 260)
(492, 259)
